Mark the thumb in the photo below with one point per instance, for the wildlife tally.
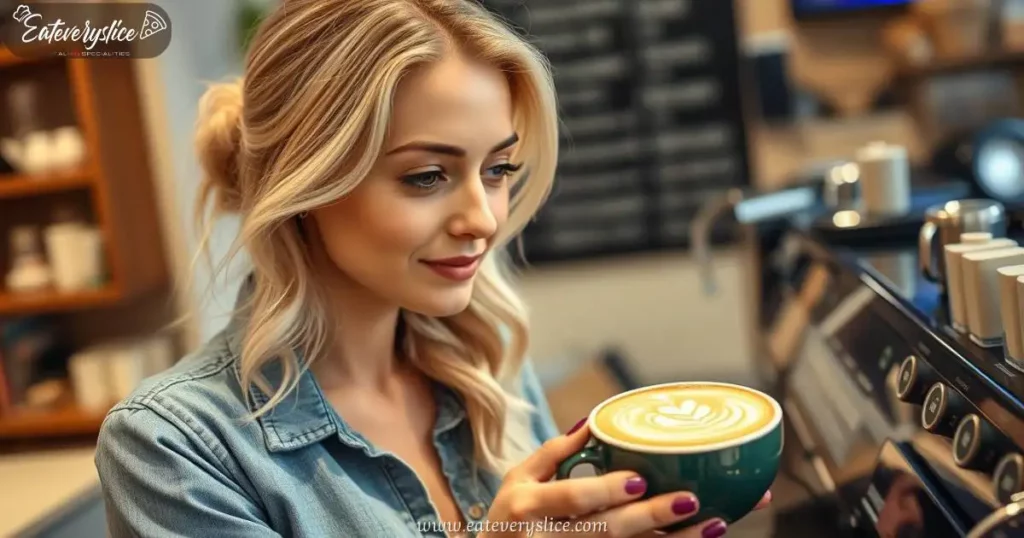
(542, 464)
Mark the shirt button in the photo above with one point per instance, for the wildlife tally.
(476, 511)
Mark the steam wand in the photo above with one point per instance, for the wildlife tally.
(700, 234)
(745, 210)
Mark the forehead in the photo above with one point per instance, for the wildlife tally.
(454, 101)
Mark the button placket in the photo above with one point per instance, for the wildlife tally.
(413, 493)
(464, 485)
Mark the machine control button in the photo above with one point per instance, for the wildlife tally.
(975, 443)
(915, 377)
(942, 410)
(1008, 478)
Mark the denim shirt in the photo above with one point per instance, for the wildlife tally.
(176, 459)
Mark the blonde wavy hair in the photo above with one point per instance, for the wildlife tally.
(305, 125)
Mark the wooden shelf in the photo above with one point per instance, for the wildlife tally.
(8, 58)
(64, 421)
(114, 190)
(15, 186)
(945, 66)
(22, 304)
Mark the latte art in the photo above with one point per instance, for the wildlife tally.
(685, 415)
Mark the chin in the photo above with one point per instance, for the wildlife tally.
(440, 304)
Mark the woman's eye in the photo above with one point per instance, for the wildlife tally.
(424, 180)
(502, 171)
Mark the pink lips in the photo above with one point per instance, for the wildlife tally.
(460, 268)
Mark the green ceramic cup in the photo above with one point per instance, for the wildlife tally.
(729, 477)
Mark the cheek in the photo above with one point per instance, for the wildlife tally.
(499, 207)
(368, 232)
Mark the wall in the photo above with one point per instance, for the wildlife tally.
(201, 50)
(652, 307)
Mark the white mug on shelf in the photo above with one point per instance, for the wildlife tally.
(89, 379)
(76, 256)
(40, 153)
(126, 363)
(68, 148)
(29, 154)
(108, 372)
(29, 271)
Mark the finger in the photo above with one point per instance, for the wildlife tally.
(542, 464)
(653, 514)
(765, 501)
(714, 528)
(576, 496)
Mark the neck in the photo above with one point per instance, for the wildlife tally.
(361, 349)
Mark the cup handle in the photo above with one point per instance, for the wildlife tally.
(924, 247)
(593, 455)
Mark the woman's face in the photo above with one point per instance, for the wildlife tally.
(413, 232)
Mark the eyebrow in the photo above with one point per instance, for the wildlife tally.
(446, 149)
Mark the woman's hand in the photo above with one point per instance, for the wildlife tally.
(606, 506)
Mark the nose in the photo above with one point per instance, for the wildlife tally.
(473, 216)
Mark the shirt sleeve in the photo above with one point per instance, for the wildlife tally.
(542, 423)
(159, 479)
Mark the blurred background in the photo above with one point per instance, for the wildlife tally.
(668, 107)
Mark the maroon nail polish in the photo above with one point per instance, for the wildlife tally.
(578, 425)
(684, 505)
(636, 485)
(714, 530)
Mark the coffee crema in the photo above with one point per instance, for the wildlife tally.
(686, 416)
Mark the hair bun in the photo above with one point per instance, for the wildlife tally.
(218, 143)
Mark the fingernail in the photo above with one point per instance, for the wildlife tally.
(636, 485)
(714, 530)
(684, 505)
(578, 425)
(768, 496)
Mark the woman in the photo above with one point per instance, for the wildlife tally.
(380, 153)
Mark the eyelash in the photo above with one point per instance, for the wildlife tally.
(417, 180)
(506, 169)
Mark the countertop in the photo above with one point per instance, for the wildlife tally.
(38, 488)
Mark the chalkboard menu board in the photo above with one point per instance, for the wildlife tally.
(652, 123)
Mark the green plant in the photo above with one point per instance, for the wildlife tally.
(250, 14)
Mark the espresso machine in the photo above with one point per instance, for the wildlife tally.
(893, 336)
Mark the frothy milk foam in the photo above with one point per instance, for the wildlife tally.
(687, 416)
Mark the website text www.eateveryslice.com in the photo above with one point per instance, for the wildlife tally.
(528, 528)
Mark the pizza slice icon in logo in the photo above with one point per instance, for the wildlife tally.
(153, 24)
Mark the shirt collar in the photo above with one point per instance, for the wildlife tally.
(305, 416)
